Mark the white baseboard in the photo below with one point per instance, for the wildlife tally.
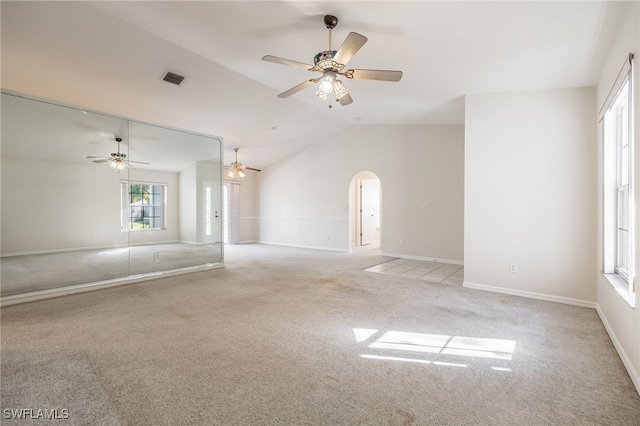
(424, 259)
(98, 285)
(86, 248)
(531, 295)
(196, 243)
(635, 378)
(65, 250)
(304, 246)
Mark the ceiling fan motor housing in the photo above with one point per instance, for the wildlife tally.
(330, 21)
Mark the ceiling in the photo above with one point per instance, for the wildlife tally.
(110, 57)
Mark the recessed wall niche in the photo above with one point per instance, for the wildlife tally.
(70, 222)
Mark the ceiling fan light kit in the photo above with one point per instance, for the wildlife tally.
(236, 169)
(118, 159)
(331, 64)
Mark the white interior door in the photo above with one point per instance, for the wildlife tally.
(369, 211)
(217, 212)
(209, 210)
(212, 213)
(225, 216)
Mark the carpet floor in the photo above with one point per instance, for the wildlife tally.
(286, 336)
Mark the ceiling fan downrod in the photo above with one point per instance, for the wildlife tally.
(330, 22)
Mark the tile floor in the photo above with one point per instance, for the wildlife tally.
(446, 273)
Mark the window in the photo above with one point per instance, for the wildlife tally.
(143, 206)
(617, 136)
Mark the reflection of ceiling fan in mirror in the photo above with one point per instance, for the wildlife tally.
(236, 169)
(331, 64)
(116, 160)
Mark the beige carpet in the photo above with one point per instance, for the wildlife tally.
(285, 336)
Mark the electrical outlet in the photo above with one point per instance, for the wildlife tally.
(402, 242)
(513, 267)
(156, 257)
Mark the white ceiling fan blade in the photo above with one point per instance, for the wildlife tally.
(297, 88)
(94, 156)
(104, 160)
(283, 61)
(346, 100)
(350, 47)
(384, 75)
(137, 162)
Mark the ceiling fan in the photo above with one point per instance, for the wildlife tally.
(116, 160)
(331, 64)
(236, 169)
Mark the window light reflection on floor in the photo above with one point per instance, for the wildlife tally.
(114, 251)
(501, 369)
(419, 361)
(499, 349)
(363, 334)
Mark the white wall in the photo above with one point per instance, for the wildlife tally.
(304, 201)
(52, 206)
(622, 321)
(530, 196)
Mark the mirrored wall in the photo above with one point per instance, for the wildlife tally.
(89, 198)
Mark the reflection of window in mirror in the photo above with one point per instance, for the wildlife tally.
(143, 206)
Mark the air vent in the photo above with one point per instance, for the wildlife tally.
(173, 78)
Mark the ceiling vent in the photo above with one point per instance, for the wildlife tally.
(173, 78)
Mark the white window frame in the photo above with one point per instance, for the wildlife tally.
(617, 117)
(160, 203)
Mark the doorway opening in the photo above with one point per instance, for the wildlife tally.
(365, 195)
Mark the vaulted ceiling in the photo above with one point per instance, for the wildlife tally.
(110, 56)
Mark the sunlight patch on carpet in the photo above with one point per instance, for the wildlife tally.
(438, 345)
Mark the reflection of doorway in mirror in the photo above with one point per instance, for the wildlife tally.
(209, 212)
(231, 209)
(225, 216)
(217, 213)
(208, 236)
(212, 217)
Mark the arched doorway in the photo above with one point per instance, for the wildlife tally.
(365, 195)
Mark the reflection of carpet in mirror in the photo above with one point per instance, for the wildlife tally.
(36, 272)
